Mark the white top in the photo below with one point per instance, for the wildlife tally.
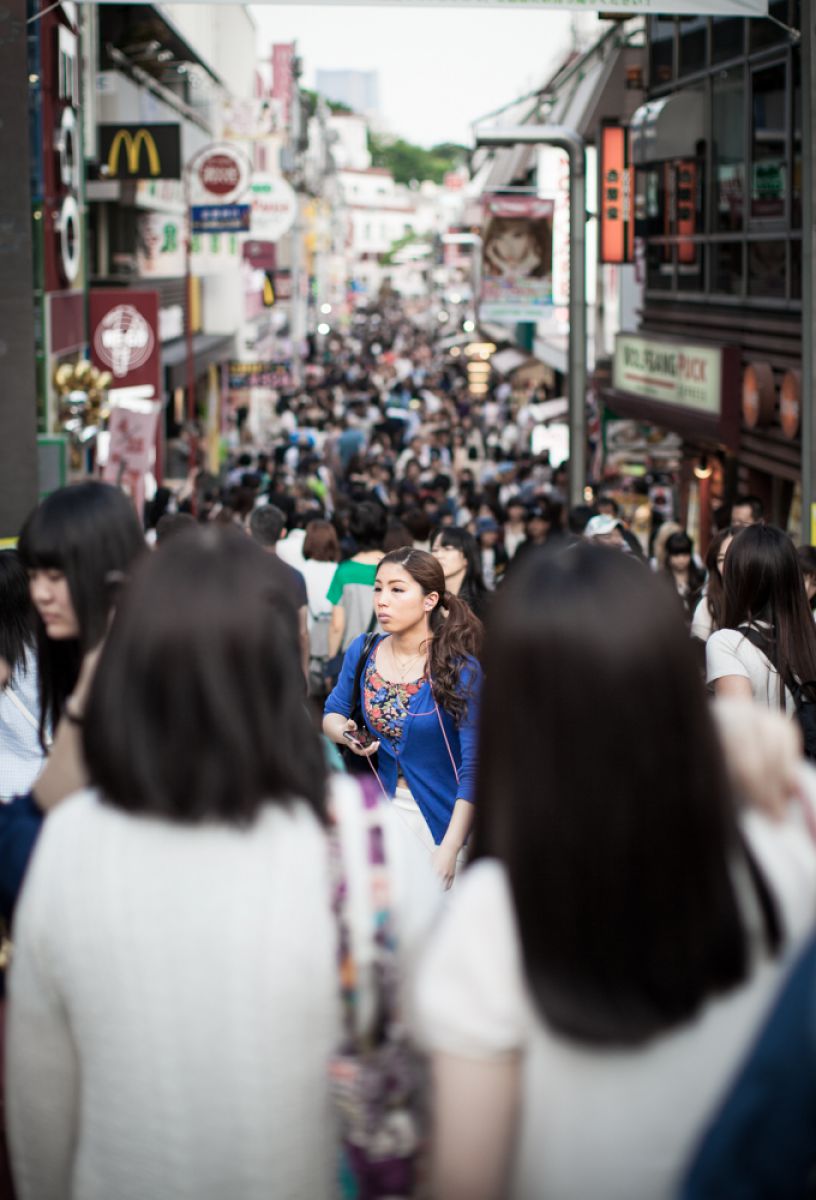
(290, 548)
(318, 577)
(729, 652)
(21, 755)
(612, 1123)
(702, 623)
(174, 1000)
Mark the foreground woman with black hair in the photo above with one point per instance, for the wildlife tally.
(174, 994)
(609, 953)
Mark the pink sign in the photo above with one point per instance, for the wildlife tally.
(283, 77)
(132, 438)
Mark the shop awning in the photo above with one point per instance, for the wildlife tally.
(207, 348)
(507, 361)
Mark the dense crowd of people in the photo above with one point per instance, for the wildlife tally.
(249, 744)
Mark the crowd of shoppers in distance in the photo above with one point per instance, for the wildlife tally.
(392, 589)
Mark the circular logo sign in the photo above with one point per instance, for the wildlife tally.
(758, 396)
(274, 207)
(124, 340)
(219, 174)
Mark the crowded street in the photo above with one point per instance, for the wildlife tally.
(407, 602)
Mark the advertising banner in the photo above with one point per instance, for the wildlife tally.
(220, 218)
(517, 260)
(125, 336)
(274, 206)
(132, 432)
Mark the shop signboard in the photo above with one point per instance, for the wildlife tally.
(218, 174)
(125, 336)
(692, 389)
(517, 258)
(140, 151)
(274, 207)
(132, 429)
(220, 218)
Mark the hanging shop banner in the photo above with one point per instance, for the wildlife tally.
(140, 151)
(220, 218)
(274, 206)
(132, 433)
(125, 335)
(517, 262)
(629, 8)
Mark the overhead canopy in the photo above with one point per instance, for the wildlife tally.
(629, 8)
(667, 128)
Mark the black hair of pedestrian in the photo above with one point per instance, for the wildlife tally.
(715, 599)
(90, 532)
(579, 517)
(368, 525)
(266, 524)
(16, 611)
(417, 523)
(629, 849)
(754, 503)
(473, 590)
(763, 582)
(609, 502)
(397, 535)
(807, 561)
(171, 524)
(195, 706)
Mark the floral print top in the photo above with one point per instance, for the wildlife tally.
(386, 703)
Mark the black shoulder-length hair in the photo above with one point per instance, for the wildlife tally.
(16, 612)
(602, 788)
(91, 533)
(196, 709)
(763, 581)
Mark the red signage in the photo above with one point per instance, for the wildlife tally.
(125, 336)
(283, 76)
(220, 174)
(617, 223)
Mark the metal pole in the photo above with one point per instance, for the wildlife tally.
(573, 143)
(808, 419)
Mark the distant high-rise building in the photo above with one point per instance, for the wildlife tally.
(360, 90)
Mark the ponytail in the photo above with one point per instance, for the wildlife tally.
(457, 636)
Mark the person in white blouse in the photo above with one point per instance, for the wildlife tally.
(610, 952)
(21, 752)
(175, 992)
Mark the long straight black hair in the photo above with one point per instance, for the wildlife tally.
(763, 581)
(16, 612)
(196, 709)
(602, 787)
(90, 532)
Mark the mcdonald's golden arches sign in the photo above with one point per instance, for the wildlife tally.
(140, 151)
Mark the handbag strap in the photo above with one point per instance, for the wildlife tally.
(383, 938)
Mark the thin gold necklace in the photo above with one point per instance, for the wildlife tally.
(402, 667)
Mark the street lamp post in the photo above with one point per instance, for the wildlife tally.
(573, 143)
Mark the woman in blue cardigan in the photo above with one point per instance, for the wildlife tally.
(419, 695)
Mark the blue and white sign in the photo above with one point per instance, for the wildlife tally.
(220, 218)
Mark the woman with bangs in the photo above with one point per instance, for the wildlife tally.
(416, 692)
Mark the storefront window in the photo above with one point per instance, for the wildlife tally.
(661, 50)
(728, 149)
(692, 43)
(649, 202)
(796, 270)
(766, 269)
(690, 267)
(768, 33)
(768, 143)
(727, 268)
(659, 266)
(727, 38)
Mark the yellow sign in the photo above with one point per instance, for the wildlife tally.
(133, 148)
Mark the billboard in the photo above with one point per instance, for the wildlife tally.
(517, 258)
(140, 151)
(125, 336)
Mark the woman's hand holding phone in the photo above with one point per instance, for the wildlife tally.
(359, 741)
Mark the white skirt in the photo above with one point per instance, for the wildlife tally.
(411, 815)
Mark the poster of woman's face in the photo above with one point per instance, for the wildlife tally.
(517, 241)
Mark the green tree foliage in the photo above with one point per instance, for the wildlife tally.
(310, 103)
(408, 162)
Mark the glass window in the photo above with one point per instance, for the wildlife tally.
(692, 43)
(690, 267)
(661, 50)
(659, 266)
(727, 38)
(767, 33)
(728, 149)
(649, 202)
(726, 259)
(766, 269)
(796, 165)
(768, 143)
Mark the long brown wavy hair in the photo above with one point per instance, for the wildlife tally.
(456, 634)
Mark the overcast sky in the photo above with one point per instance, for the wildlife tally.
(439, 68)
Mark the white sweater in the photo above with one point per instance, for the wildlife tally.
(173, 1003)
